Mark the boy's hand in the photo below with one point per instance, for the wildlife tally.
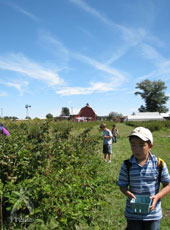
(130, 195)
(154, 202)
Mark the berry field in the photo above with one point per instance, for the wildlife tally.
(53, 176)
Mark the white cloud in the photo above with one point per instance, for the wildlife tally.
(94, 87)
(15, 85)
(86, 32)
(117, 55)
(22, 11)
(149, 52)
(68, 91)
(19, 86)
(20, 64)
(92, 11)
(162, 64)
(100, 66)
(55, 46)
(115, 79)
(131, 36)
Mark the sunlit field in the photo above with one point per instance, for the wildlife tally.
(53, 176)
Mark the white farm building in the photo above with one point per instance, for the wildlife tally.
(148, 116)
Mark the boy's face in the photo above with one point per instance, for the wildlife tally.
(140, 148)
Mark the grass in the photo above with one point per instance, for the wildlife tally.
(111, 214)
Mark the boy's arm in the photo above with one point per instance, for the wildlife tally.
(159, 195)
(109, 135)
(126, 192)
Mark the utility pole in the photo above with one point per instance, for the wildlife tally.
(71, 110)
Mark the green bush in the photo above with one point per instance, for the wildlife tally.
(44, 165)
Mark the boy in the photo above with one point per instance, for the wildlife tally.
(115, 133)
(107, 142)
(143, 180)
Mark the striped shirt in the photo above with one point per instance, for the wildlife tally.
(143, 181)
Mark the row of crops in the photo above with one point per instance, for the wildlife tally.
(49, 176)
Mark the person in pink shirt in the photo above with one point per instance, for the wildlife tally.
(3, 130)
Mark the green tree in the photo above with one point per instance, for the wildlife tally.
(115, 116)
(28, 118)
(49, 116)
(153, 94)
(10, 118)
(65, 111)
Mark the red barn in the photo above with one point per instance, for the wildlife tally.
(86, 114)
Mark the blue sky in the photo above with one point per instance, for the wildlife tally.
(66, 53)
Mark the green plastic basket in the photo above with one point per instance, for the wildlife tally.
(141, 204)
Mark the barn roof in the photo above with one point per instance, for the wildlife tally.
(87, 110)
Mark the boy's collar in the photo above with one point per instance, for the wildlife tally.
(133, 159)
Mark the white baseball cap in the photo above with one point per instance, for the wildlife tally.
(143, 133)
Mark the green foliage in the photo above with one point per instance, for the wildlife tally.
(28, 118)
(115, 116)
(53, 176)
(49, 116)
(153, 95)
(10, 118)
(65, 111)
(52, 169)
